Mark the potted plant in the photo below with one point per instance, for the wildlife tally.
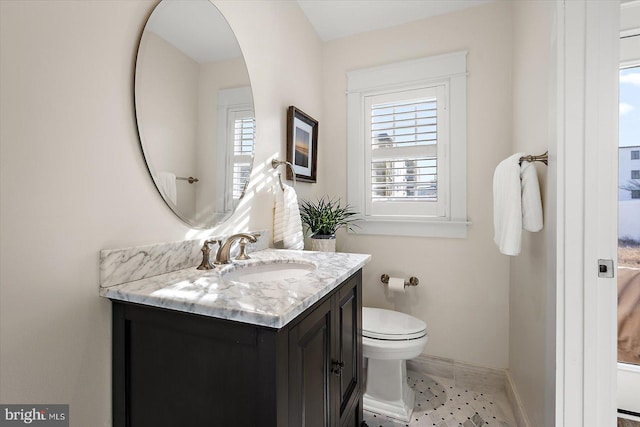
(323, 218)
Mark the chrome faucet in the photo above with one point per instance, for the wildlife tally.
(222, 257)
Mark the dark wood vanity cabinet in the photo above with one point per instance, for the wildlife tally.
(173, 368)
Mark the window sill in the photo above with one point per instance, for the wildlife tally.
(412, 227)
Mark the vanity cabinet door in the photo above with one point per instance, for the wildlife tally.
(309, 369)
(348, 344)
(325, 362)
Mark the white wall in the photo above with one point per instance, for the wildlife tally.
(464, 283)
(532, 30)
(73, 180)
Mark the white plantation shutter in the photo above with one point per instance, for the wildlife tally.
(401, 154)
(244, 126)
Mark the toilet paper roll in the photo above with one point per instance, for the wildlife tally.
(396, 284)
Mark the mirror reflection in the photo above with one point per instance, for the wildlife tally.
(194, 108)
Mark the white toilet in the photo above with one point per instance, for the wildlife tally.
(389, 338)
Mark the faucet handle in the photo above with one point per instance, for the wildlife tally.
(242, 255)
(206, 258)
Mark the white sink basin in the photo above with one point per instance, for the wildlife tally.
(269, 272)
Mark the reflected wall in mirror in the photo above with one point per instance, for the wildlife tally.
(194, 108)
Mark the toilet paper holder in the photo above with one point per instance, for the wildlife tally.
(413, 281)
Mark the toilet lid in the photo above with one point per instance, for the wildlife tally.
(391, 325)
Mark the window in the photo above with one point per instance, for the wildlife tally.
(401, 152)
(635, 154)
(635, 174)
(407, 147)
(635, 194)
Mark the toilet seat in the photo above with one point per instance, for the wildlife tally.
(381, 324)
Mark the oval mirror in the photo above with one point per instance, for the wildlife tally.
(194, 109)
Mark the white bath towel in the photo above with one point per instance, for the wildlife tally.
(287, 226)
(167, 185)
(516, 203)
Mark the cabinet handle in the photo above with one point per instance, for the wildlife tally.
(337, 367)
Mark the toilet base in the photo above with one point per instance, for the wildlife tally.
(387, 390)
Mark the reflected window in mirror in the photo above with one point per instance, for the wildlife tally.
(243, 142)
(236, 144)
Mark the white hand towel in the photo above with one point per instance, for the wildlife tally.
(287, 226)
(507, 210)
(516, 203)
(167, 185)
(278, 215)
(531, 200)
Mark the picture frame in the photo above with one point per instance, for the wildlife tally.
(302, 145)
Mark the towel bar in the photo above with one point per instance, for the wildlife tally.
(544, 158)
(275, 163)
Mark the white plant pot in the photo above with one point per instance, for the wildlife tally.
(323, 243)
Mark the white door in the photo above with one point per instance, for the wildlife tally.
(629, 222)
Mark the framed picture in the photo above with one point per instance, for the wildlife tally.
(302, 145)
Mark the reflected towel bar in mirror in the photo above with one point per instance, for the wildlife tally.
(190, 179)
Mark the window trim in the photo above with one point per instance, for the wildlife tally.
(449, 69)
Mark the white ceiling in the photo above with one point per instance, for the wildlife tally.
(333, 19)
(201, 32)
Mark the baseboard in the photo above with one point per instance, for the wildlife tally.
(479, 378)
(516, 403)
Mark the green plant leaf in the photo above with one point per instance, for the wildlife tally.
(325, 216)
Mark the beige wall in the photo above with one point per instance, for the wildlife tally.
(464, 283)
(532, 46)
(73, 180)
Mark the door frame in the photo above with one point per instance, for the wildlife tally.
(585, 123)
(628, 376)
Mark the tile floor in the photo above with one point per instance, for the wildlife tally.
(440, 403)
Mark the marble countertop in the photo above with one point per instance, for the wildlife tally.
(271, 303)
